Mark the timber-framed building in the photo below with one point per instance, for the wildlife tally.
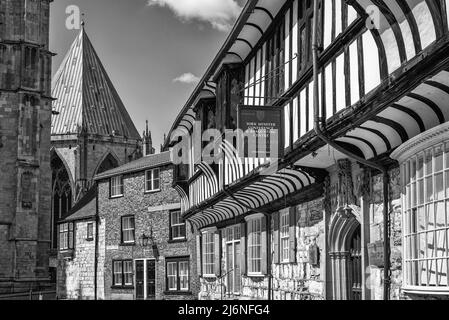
(358, 208)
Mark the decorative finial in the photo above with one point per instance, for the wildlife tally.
(83, 21)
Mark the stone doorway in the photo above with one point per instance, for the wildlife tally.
(345, 243)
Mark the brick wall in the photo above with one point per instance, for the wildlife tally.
(136, 202)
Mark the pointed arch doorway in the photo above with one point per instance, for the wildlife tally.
(345, 241)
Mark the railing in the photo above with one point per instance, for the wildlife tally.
(30, 295)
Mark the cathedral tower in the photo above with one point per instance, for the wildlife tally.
(25, 116)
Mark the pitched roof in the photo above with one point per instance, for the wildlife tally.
(145, 163)
(86, 97)
(84, 209)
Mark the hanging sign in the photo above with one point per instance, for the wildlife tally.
(266, 125)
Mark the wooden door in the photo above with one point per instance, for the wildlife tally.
(140, 280)
(355, 266)
(151, 279)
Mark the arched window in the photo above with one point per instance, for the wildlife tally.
(61, 194)
(108, 163)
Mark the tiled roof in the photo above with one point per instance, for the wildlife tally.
(84, 209)
(148, 162)
(86, 97)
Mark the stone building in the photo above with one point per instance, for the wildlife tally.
(91, 130)
(149, 251)
(25, 120)
(355, 204)
(80, 244)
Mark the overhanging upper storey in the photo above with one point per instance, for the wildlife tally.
(383, 79)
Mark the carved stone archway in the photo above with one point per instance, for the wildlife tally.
(345, 227)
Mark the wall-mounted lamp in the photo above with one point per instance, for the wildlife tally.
(146, 240)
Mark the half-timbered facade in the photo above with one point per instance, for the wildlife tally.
(339, 217)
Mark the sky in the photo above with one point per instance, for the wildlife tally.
(154, 51)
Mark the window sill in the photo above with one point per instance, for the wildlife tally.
(255, 275)
(90, 239)
(122, 287)
(152, 191)
(177, 240)
(131, 244)
(178, 293)
(116, 197)
(426, 290)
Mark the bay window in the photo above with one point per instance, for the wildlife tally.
(425, 200)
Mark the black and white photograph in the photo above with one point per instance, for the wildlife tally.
(239, 152)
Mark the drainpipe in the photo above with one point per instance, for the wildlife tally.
(269, 254)
(319, 121)
(97, 221)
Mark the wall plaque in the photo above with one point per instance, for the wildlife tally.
(376, 254)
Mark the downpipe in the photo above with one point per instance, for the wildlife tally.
(320, 121)
(97, 221)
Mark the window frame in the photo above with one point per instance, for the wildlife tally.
(122, 273)
(122, 230)
(177, 274)
(172, 226)
(423, 196)
(69, 236)
(152, 180)
(90, 231)
(284, 236)
(253, 222)
(113, 187)
(207, 255)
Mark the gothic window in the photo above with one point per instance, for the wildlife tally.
(61, 193)
(31, 67)
(108, 163)
(3, 63)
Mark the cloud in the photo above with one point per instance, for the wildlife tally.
(221, 14)
(188, 78)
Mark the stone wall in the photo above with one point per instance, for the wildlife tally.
(96, 152)
(136, 202)
(291, 281)
(375, 280)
